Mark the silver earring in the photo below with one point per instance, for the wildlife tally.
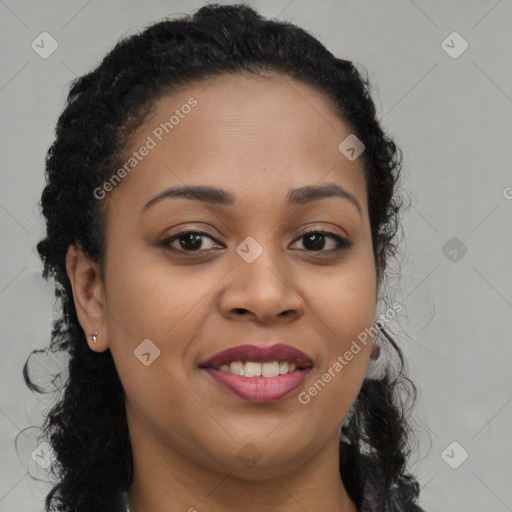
(93, 337)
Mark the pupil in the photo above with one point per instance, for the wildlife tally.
(316, 242)
(193, 238)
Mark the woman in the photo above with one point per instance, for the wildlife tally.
(221, 206)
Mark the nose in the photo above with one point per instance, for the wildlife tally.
(263, 291)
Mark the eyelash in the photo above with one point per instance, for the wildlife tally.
(342, 243)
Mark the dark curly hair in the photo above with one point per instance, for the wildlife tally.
(87, 426)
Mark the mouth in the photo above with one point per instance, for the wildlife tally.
(259, 374)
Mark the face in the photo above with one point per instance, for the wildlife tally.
(263, 266)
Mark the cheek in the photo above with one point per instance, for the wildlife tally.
(345, 306)
(348, 314)
(346, 299)
(146, 295)
(150, 299)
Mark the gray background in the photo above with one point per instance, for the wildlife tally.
(451, 117)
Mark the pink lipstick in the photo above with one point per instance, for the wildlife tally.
(259, 374)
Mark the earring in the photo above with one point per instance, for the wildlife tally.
(93, 337)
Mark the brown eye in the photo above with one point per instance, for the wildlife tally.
(188, 241)
(315, 240)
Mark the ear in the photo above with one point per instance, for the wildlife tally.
(88, 295)
(378, 273)
(375, 351)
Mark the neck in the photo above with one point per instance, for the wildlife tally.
(167, 481)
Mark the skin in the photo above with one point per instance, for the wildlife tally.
(256, 137)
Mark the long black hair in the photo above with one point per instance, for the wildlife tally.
(87, 426)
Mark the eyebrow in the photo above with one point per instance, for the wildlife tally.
(214, 195)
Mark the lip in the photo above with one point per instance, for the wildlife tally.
(244, 353)
(259, 389)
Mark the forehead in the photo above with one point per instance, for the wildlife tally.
(260, 135)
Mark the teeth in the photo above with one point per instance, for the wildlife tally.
(237, 368)
(270, 369)
(254, 369)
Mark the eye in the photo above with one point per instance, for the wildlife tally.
(315, 240)
(188, 241)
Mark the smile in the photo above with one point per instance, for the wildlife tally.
(259, 374)
(256, 369)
